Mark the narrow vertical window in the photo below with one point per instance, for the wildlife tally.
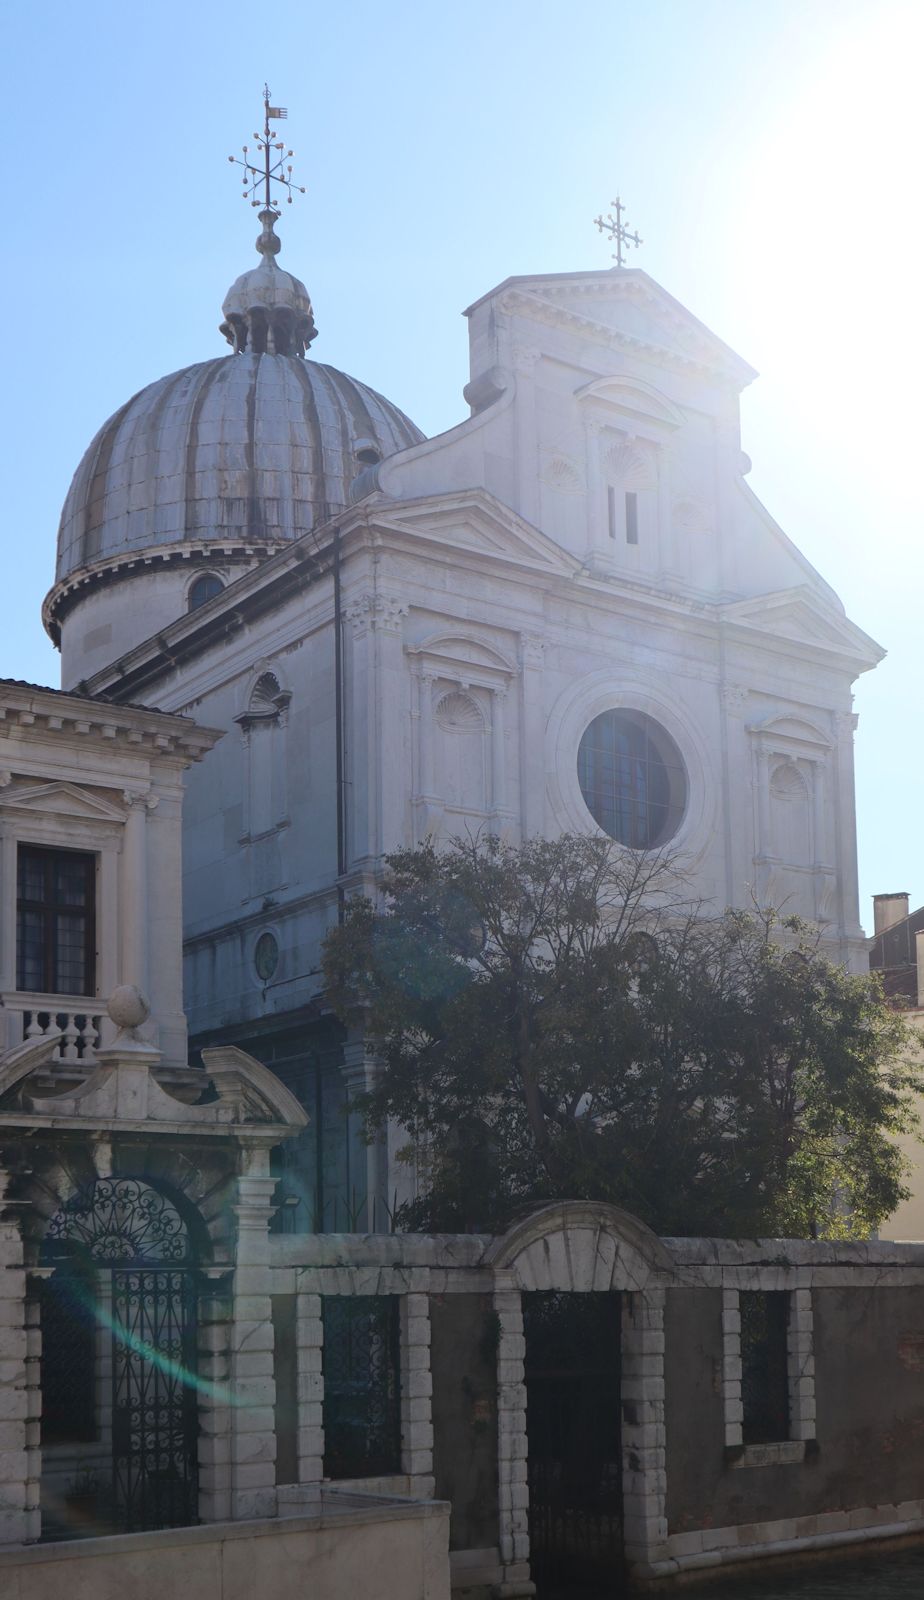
(56, 934)
(631, 517)
(764, 1366)
(611, 510)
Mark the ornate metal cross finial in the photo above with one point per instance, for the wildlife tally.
(274, 169)
(617, 231)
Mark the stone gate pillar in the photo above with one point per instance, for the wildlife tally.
(20, 1395)
(250, 1345)
(512, 1491)
(214, 1355)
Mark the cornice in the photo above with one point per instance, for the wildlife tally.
(32, 713)
(420, 526)
(199, 553)
(542, 309)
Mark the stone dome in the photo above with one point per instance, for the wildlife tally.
(230, 457)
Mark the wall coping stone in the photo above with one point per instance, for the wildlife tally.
(332, 1511)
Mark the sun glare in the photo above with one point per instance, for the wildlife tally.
(830, 236)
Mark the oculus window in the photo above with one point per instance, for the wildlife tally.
(632, 778)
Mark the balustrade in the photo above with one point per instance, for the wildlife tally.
(34, 1016)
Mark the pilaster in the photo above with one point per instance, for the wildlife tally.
(359, 1071)
(20, 1396)
(512, 1490)
(643, 1427)
(801, 1364)
(532, 736)
(253, 1387)
(215, 1409)
(417, 1392)
(309, 1342)
(731, 1368)
(525, 361)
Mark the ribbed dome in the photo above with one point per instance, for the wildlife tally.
(246, 450)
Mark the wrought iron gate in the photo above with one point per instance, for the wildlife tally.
(153, 1400)
(134, 1231)
(574, 1453)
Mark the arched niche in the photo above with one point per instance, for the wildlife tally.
(263, 721)
(790, 814)
(580, 1246)
(460, 751)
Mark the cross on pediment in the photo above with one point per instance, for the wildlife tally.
(617, 231)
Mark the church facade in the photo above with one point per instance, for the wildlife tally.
(567, 613)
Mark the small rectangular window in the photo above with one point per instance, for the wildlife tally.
(631, 517)
(764, 1366)
(362, 1386)
(56, 921)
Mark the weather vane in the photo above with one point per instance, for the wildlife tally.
(275, 169)
(617, 231)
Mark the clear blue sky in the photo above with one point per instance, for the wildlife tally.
(768, 151)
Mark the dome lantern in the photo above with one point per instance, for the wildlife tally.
(266, 310)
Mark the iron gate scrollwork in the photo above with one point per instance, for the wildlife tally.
(574, 1448)
(134, 1232)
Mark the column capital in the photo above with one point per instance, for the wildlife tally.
(532, 649)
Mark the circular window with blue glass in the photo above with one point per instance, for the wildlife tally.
(266, 956)
(632, 778)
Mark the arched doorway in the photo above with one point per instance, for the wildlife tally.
(580, 1377)
(119, 1360)
(574, 1454)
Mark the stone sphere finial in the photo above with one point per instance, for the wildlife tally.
(128, 1008)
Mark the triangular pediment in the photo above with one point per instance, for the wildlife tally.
(624, 307)
(474, 521)
(61, 799)
(800, 616)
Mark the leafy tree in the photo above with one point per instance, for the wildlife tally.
(558, 1021)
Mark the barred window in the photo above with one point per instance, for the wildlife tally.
(56, 921)
(362, 1386)
(764, 1366)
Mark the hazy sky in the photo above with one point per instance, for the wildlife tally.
(769, 153)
